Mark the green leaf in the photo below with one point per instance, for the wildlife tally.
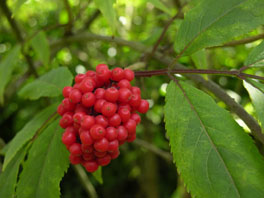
(27, 132)
(98, 175)
(256, 56)
(8, 178)
(199, 59)
(256, 93)
(17, 6)
(50, 84)
(7, 65)
(158, 4)
(212, 23)
(48, 160)
(214, 156)
(108, 11)
(40, 44)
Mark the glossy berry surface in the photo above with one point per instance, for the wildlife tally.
(99, 115)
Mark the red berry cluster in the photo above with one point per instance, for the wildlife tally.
(99, 114)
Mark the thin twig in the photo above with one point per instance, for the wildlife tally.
(87, 185)
(240, 42)
(18, 34)
(89, 22)
(165, 155)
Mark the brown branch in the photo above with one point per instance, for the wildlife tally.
(89, 22)
(18, 34)
(70, 17)
(240, 42)
(166, 60)
(235, 73)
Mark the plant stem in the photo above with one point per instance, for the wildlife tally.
(235, 73)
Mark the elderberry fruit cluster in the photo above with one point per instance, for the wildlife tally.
(99, 114)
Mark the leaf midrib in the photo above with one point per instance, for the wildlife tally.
(209, 138)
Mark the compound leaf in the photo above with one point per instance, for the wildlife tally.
(213, 154)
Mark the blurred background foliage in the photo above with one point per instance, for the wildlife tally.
(144, 168)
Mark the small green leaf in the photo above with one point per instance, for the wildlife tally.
(27, 132)
(213, 154)
(256, 56)
(40, 44)
(7, 66)
(17, 6)
(257, 96)
(108, 11)
(8, 178)
(98, 175)
(158, 4)
(50, 84)
(212, 23)
(48, 160)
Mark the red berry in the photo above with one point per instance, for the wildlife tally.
(135, 100)
(136, 90)
(122, 133)
(101, 120)
(99, 154)
(98, 105)
(97, 132)
(87, 122)
(124, 84)
(99, 93)
(61, 110)
(113, 145)
(87, 148)
(136, 117)
(124, 95)
(126, 106)
(131, 126)
(114, 154)
(90, 166)
(75, 159)
(88, 156)
(66, 91)
(75, 149)
(71, 129)
(111, 94)
(88, 99)
(108, 109)
(68, 138)
(131, 138)
(75, 96)
(143, 107)
(124, 114)
(117, 74)
(78, 117)
(111, 133)
(87, 85)
(103, 73)
(79, 77)
(86, 138)
(80, 108)
(68, 105)
(101, 145)
(104, 160)
(66, 120)
(114, 120)
(129, 74)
